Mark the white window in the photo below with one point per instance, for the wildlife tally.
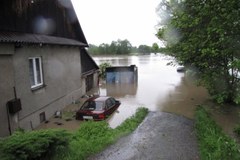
(35, 70)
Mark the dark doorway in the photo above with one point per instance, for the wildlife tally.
(89, 82)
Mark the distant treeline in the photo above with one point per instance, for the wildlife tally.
(122, 47)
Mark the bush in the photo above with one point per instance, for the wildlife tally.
(33, 145)
(237, 130)
(213, 143)
(103, 67)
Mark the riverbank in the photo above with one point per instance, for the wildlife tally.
(213, 143)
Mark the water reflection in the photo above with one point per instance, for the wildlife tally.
(121, 90)
(159, 87)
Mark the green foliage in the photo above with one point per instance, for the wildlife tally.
(121, 47)
(144, 49)
(131, 123)
(204, 35)
(92, 136)
(33, 145)
(102, 68)
(155, 47)
(237, 130)
(213, 143)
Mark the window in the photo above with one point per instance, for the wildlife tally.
(35, 71)
(109, 103)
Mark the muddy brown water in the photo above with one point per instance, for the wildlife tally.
(160, 88)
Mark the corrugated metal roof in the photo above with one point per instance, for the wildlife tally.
(14, 37)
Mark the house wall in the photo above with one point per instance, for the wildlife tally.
(94, 84)
(62, 79)
(95, 79)
(6, 85)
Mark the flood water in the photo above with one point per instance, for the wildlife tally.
(160, 88)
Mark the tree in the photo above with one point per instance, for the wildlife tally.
(124, 46)
(93, 49)
(113, 47)
(204, 34)
(155, 48)
(144, 49)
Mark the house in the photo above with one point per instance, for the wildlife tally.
(44, 64)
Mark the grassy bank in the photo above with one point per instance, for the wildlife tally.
(90, 138)
(213, 143)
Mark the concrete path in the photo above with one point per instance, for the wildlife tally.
(161, 136)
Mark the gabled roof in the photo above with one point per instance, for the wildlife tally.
(42, 21)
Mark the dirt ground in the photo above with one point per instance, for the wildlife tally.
(66, 120)
(161, 136)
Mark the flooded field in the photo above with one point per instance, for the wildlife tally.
(160, 87)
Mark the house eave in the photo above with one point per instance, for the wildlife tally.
(26, 38)
(85, 74)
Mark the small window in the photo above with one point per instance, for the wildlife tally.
(35, 72)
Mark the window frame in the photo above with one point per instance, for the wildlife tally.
(35, 72)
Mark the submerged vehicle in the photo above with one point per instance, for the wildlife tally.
(97, 108)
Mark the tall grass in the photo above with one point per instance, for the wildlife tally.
(92, 137)
(213, 143)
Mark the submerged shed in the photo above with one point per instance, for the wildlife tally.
(122, 74)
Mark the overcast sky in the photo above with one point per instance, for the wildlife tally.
(104, 21)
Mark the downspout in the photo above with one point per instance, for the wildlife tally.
(8, 116)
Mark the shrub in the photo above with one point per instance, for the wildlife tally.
(237, 130)
(33, 145)
(103, 67)
(213, 143)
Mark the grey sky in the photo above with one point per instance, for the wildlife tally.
(106, 20)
